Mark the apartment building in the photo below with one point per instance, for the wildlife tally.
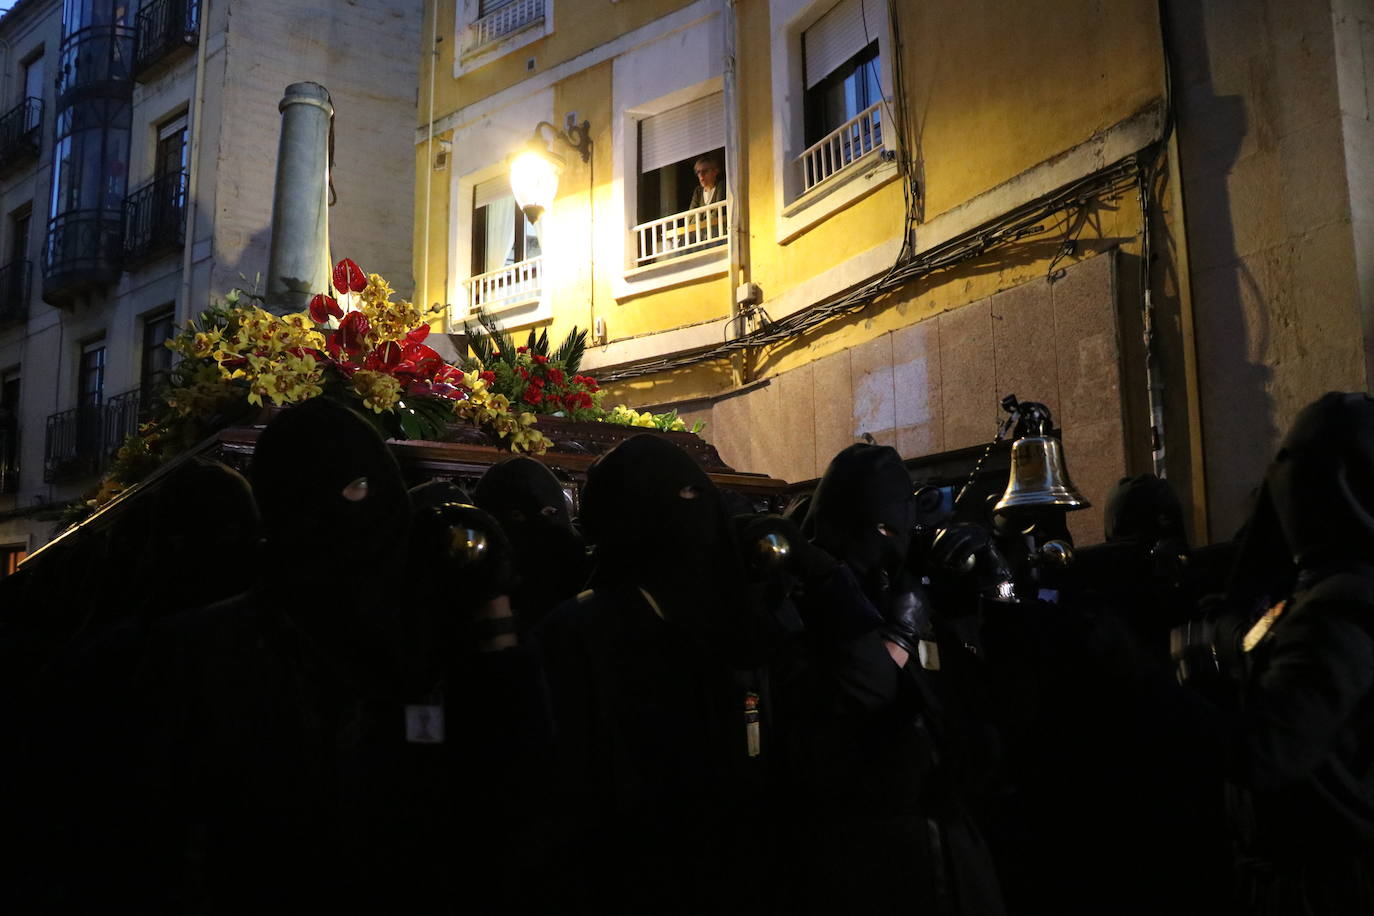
(1151, 216)
(138, 153)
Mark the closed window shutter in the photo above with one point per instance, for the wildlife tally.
(688, 130)
(490, 191)
(839, 35)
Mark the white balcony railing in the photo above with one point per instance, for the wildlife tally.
(515, 284)
(499, 23)
(690, 230)
(850, 142)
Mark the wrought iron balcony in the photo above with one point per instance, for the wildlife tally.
(506, 19)
(14, 291)
(21, 134)
(155, 218)
(73, 444)
(123, 412)
(166, 30)
(9, 452)
(95, 61)
(80, 442)
(84, 252)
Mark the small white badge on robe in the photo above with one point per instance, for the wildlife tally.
(424, 724)
(928, 652)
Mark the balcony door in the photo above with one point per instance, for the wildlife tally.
(33, 89)
(90, 398)
(171, 164)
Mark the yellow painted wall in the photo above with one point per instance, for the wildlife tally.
(994, 89)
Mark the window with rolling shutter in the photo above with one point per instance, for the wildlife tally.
(669, 144)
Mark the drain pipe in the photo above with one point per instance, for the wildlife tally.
(183, 307)
(298, 264)
(737, 182)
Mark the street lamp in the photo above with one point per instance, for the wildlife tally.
(534, 171)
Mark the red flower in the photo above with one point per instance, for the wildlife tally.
(522, 372)
(322, 306)
(521, 349)
(424, 360)
(555, 375)
(536, 383)
(384, 358)
(489, 377)
(352, 330)
(532, 395)
(419, 333)
(349, 277)
(540, 359)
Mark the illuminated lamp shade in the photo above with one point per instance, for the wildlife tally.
(534, 180)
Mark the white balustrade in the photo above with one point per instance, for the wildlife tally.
(851, 141)
(515, 284)
(691, 230)
(501, 22)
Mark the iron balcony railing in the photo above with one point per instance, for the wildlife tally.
(499, 23)
(515, 284)
(21, 133)
(14, 291)
(95, 59)
(155, 218)
(842, 147)
(79, 442)
(691, 230)
(163, 28)
(84, 250)
(9, 452)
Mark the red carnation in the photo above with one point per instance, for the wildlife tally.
(489, 377)
(540, 358)
(521, 349)
(532, 395)
(555, 375)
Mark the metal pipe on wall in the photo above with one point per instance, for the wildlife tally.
(183, 303)
(736, 181)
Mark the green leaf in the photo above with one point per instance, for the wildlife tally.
(531, 341)
(571, 350)
(411, 425)
(543, 346)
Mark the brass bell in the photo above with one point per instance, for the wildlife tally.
(1039, 479)
(467, 546)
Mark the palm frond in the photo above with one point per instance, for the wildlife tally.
(571, 350)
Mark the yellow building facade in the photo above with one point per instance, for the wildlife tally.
(928, 206)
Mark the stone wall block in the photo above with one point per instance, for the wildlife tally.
(968, 381)
(796, 406)
(1023, 340)
(918, 389)
(1087, 351)
(871, 377)
(833, 404)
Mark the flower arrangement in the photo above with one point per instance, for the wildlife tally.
(550, 383)
(362, 347)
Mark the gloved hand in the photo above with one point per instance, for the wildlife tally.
(772, 541)
(968, 550)
(906, 613)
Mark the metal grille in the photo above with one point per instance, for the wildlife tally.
(164, 27)
(691, 230)
(21, 133)
(842, 147)
(501, 22)
(516, 284)
(155, 217)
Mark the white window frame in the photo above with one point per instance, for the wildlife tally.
(493, 140)
(677, 67)
(466, 16)
(799, 211)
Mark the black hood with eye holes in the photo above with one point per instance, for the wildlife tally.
(865, 486)
(1321, 483)
(658, 522)
(550, 555)
(302, 463)
(1143, 508)
(522, 492)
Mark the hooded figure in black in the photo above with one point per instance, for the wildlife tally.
(1297, 738)
(650, 713)
(550, 556)
(887, 833)
(267, 690)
